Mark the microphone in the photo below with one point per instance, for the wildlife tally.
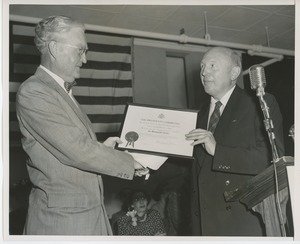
(257, 79)
(258, 82)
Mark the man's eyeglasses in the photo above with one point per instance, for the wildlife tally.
(81, 50)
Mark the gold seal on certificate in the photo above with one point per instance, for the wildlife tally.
(157, 130)
(131, 137)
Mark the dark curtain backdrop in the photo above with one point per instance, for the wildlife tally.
(280, 83)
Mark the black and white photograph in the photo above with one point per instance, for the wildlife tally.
(71, 71)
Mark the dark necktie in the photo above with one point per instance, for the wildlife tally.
(214, 118)
(69, 85)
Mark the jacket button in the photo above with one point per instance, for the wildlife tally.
(228, 208)
(227, 182)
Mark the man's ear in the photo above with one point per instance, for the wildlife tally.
(52, 46)
(235, 72)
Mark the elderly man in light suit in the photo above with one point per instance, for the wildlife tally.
(65, 161)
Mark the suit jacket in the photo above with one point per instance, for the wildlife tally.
(65, 162)
(242, 151)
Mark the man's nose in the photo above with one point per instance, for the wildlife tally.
(84, 58)
(204, 71)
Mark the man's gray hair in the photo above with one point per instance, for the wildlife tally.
(232, 54)
(49, 28)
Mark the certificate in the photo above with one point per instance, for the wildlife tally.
(157, 130)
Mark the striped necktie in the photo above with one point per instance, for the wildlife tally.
(214, 118)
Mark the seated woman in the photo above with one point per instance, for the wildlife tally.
(139, 220)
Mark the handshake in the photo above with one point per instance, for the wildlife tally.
(142, 162)
(145, 161)
(140, 170)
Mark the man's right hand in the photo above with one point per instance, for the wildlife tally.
(139, 169)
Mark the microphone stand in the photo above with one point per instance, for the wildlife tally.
(268, 123)
(269, 128)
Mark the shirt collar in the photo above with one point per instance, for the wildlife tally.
(225, 98)
(59, 80)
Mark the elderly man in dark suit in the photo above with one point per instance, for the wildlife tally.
(231, 145)
(65, 159)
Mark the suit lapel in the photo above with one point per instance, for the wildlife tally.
(83, 117)
(49, 81)
(228, 115)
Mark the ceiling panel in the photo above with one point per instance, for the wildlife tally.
(103, 8)
(219, 34)
(173, 28)
(249, 38)
(266, 8)
(245, 24)
(239, 18)
(276, 24)
(287, 10)
(196, 13)
(133, 22)
(159, 12)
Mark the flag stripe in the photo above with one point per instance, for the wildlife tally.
(103, 89)
(23, 30)
(102, 136)
(104, 82)
(102, 100)
(104, 109)
(15, 138)
(107, 127)
(24, 68)
(107, 39)
(25, 59)
(19, 39)
(105, 48)
(25, 49)
(107, 66)
(105, 74)
(105, 118)
(114, 57)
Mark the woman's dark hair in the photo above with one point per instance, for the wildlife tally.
(139, 192)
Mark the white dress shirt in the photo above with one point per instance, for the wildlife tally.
(223, 100)
(60, 81)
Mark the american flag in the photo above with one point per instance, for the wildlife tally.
(105, 86)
